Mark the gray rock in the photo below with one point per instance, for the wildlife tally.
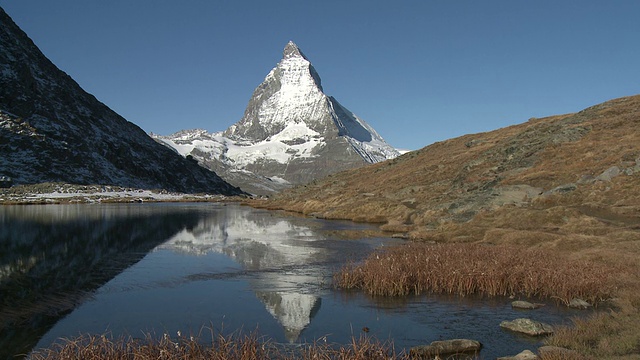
(525, 355)
(527, 326)
(445, 348)
(562, 189)
(632, 170)
(587, 179)
(519, 304)
(514, 194)
(609, 174)
(579, 304)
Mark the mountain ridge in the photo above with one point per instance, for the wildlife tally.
(51, 130)
(291, 133)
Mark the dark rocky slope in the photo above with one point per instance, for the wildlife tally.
(53, 131)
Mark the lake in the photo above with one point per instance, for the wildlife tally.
(162, 268)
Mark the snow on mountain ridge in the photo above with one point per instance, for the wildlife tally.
(289, 94)
(290, 130)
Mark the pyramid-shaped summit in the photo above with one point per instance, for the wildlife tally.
(292, 50)
(291, 96)
(291, 132)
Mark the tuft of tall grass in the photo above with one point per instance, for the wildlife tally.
(103, 347)
(222, 347)
(490, 270)
(602, 335)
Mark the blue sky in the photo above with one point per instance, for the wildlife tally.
(417, 71)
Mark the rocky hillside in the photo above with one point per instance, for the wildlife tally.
(540, 181)
(291, 133)
(53, 131)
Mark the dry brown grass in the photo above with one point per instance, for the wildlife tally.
(454, 179)
(564, 356)
(491, 270)
(604, 335)
(230, 347)
(445, 191)
(107, 348)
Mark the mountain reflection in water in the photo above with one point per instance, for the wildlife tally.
(67, 269)
(131, 269)
(278, 252)
(53, 257)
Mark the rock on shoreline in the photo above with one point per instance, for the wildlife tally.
(527, 326)
(446, 347)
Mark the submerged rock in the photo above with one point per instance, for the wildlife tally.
(579, 304)
(519, 304)
(527, 326)
(525, 355)
(446, 347)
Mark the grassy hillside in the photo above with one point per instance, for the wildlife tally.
(574, 175)
(567, 184)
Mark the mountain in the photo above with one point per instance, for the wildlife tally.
(560, 181)
(53, 131)
(291, 133)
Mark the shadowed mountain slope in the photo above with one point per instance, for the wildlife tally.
(53, 131)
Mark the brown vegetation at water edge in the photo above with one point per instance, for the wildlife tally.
(491, 270)
(230, 347)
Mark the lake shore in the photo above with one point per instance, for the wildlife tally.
(62, 193)
(612, 335)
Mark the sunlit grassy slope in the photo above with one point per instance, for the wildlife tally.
(567, 184)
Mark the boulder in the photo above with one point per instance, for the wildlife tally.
(527, 326)
(587, 179)
(609, 174)
(579, 304)
(519, 304)
(525, 355)
(445, 348)
(562, 189)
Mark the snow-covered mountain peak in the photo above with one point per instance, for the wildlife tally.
(292, 50)
(291, 132)
(290, 94)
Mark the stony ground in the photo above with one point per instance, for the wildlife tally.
(61, 193)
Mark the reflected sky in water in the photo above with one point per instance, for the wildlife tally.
(163, 268)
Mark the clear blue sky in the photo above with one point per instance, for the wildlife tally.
(417, 71)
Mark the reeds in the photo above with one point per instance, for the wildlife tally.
(103, 347)
(490, 270)
(602, 335)
(222, 347)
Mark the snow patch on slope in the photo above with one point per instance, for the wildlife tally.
(294, 141)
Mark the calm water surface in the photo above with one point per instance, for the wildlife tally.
(163, 268)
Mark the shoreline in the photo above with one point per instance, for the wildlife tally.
(63, 193)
